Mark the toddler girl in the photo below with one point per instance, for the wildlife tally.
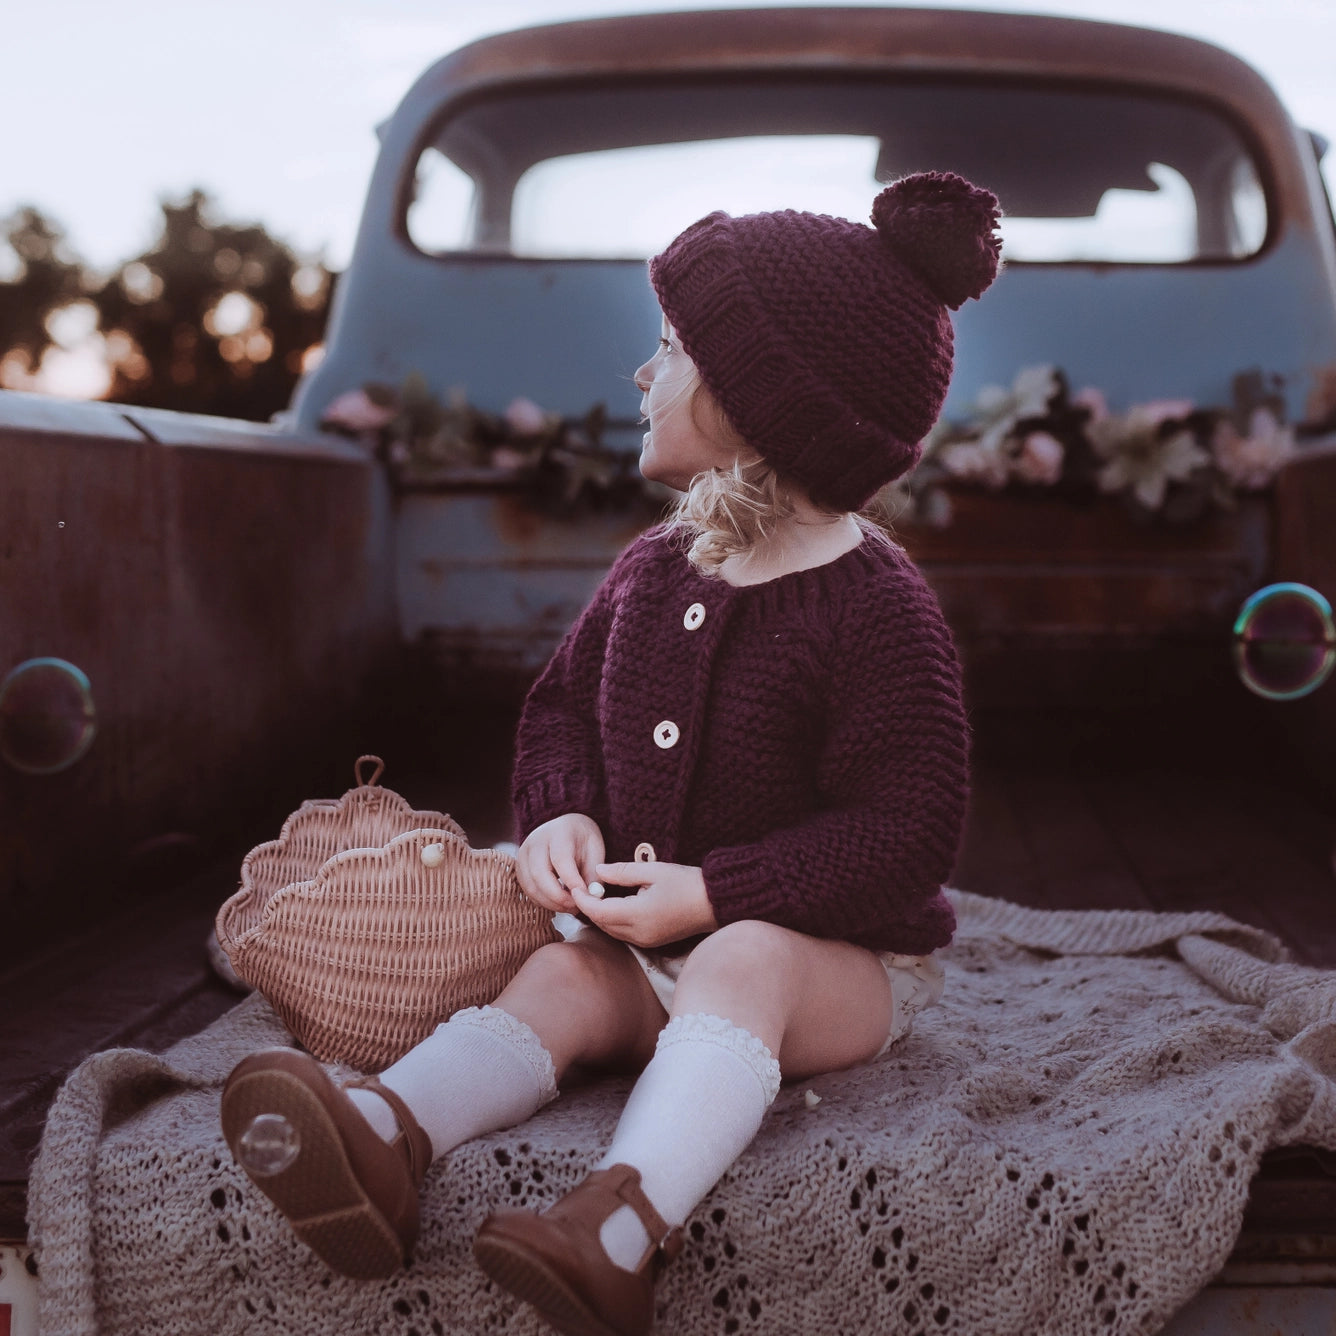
(744, 770)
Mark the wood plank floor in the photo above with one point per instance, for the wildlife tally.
(1099, 814)
(1080, 812)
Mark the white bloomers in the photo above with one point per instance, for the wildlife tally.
(916, 981)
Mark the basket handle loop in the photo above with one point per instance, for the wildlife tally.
(375, 774)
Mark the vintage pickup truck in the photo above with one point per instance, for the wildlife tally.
(203, 621)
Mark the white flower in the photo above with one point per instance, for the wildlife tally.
(1146, 464)
(1033, 387)
(1157, 411)
(1140, 457)
(1251, 461)
(1030, 392)
(980, 461)
(987, 455)
(1135, 430)
(1040, 459)
(992, 401)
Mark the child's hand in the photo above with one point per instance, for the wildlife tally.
(558, 856)
(671, 903)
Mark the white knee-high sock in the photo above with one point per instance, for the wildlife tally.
(481, 1070)
(695, 1109)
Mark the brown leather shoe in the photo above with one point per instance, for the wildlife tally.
(349, 1195)
(556, 1262)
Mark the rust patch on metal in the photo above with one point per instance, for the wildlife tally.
(516, 520)
(1320, 406)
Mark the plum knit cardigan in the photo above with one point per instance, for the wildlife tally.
(802, 740)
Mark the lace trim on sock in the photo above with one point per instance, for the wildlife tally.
(701, 1027)
(521, 1037)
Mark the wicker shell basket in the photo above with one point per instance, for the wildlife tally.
(366, 923)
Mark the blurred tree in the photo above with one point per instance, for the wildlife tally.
(44, 276)
(214, 318)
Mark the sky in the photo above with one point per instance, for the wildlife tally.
(271, 105)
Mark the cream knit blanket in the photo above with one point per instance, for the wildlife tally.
(1062, 1146)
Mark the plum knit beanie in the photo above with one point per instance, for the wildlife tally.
(826, 342)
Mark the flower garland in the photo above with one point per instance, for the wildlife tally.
(559, 464)
(1166, 457)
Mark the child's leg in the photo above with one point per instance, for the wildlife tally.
(315, 1152)
(581, 1002)
(749, 991)
(819, 1005)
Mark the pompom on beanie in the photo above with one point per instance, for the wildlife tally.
(826, 342)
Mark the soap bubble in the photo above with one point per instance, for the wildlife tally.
(1284, 641)
(47, 719)
(268, 1145)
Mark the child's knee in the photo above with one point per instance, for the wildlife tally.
(747, 949)
(562, 966)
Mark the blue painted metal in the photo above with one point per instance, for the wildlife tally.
(1142, 332)
(569, 333)
(489, 585)
(566, 334)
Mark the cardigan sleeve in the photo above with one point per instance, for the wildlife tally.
(892, 779)
(558, 747)
(558, 761)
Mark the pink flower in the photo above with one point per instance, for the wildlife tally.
(1040, 459)
(1250, 462)
(525, 418)
(1094, 400)
(357, 411)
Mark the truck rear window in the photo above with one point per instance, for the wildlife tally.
(616, 172)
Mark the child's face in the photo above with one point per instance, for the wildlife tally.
(678, 444)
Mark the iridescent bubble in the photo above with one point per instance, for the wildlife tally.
(268, 1145)
(1284, 641)
(47, 718)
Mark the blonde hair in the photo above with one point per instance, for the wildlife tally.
(728, 511)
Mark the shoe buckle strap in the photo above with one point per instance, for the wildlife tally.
(415, 1140)
(665, 1241)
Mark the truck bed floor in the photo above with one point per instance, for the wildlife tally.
(1074, 813)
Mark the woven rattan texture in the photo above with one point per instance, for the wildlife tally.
(361, 943)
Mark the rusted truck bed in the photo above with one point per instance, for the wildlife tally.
(1078, 810)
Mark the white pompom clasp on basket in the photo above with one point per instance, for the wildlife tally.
(367, 923)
